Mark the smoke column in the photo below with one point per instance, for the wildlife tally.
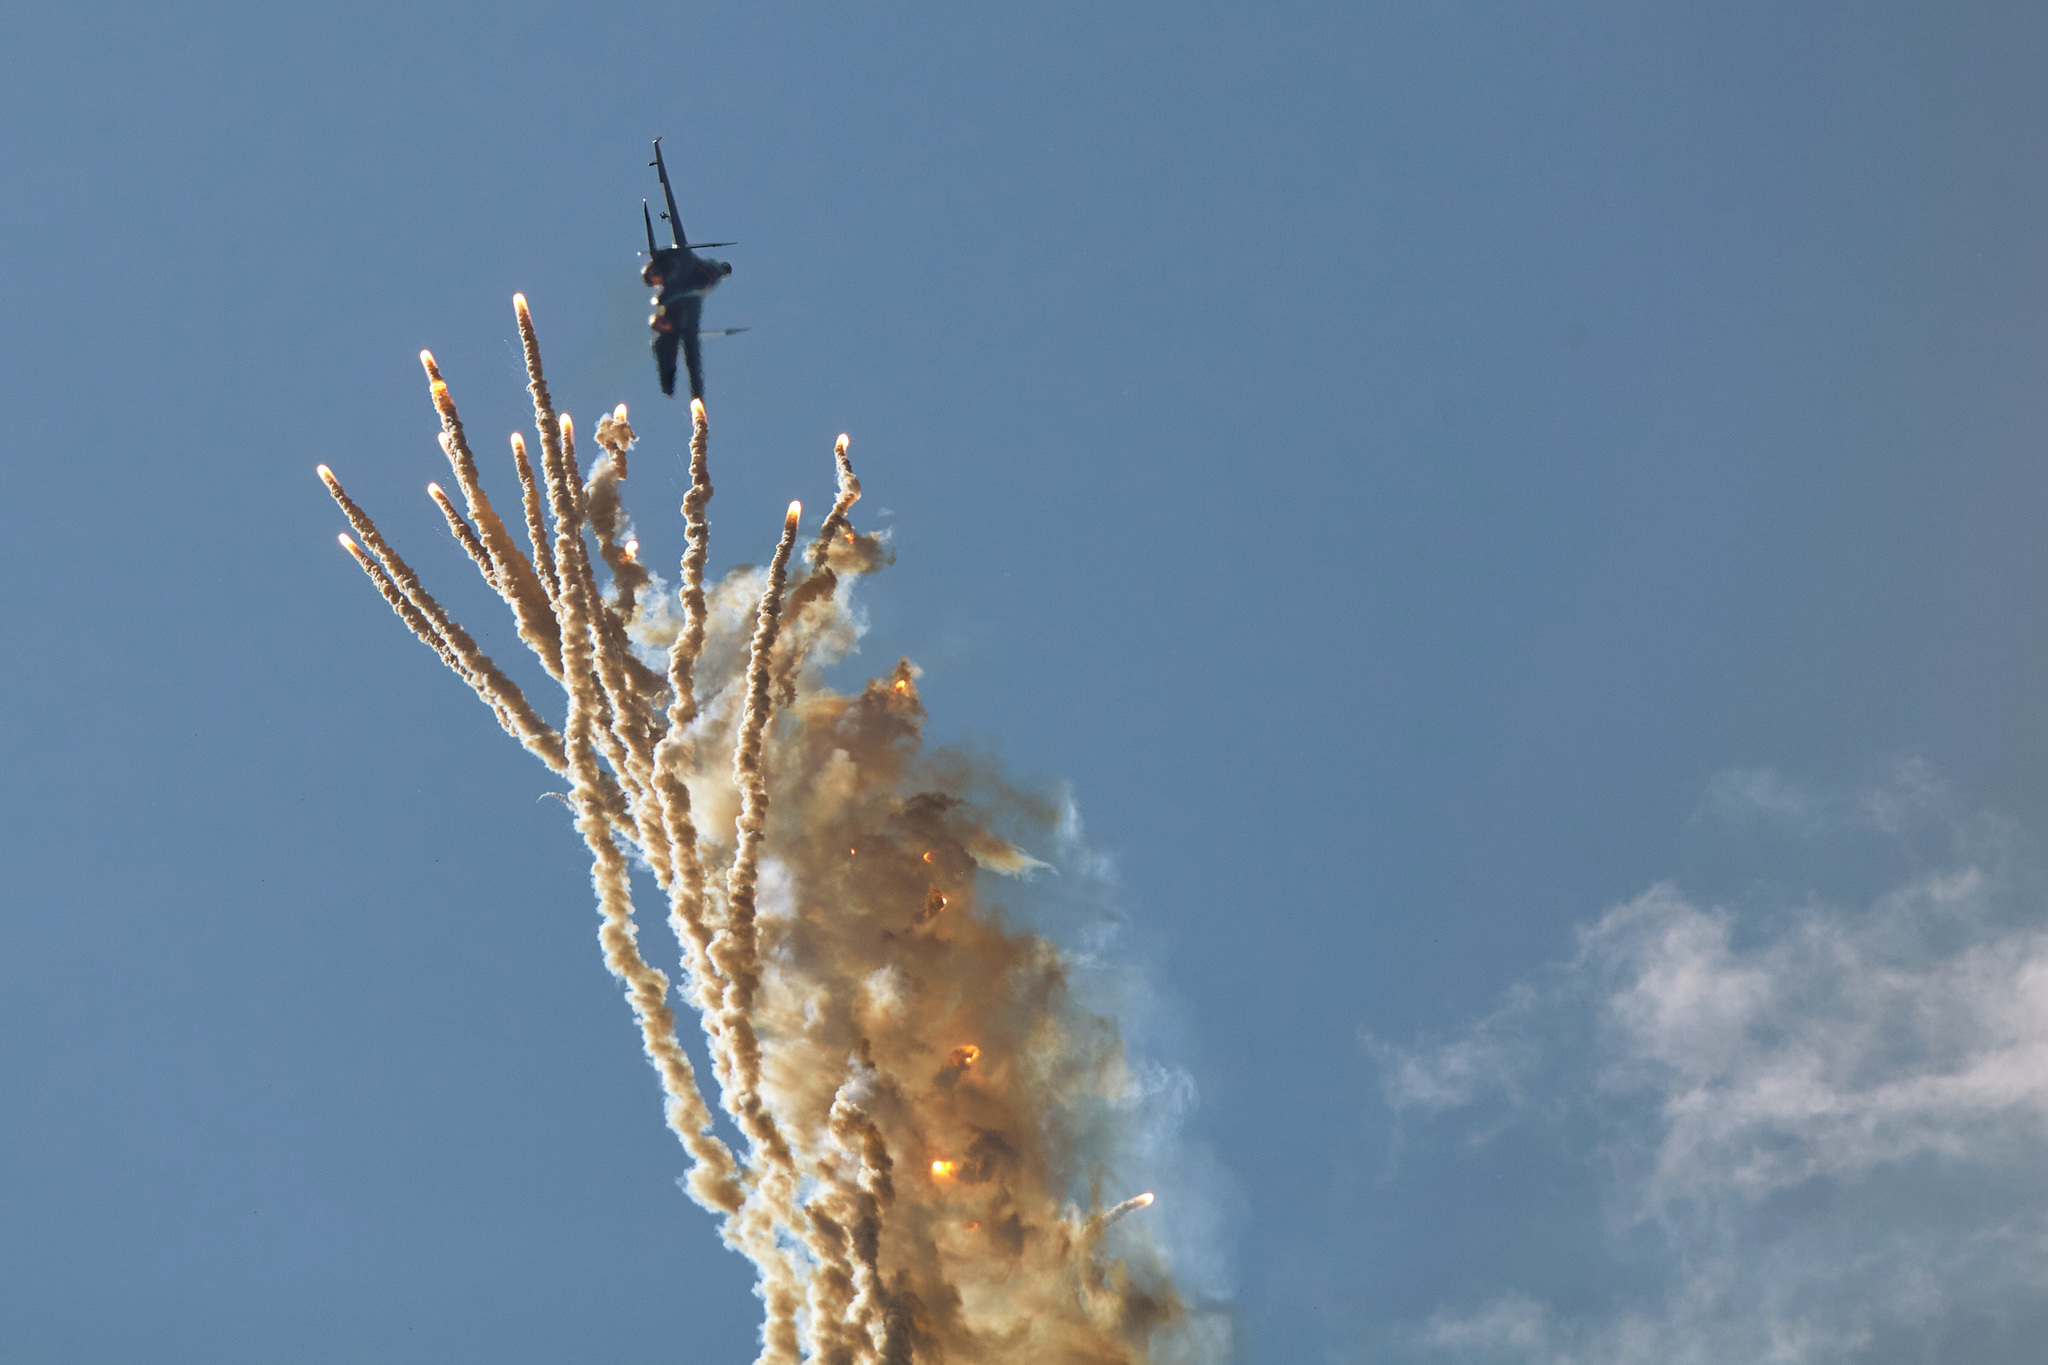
(907, 1074)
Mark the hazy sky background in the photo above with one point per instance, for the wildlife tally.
(1521, 526)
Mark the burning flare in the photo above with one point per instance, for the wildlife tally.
(805, 850)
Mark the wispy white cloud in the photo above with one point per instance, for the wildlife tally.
(1822, 1051)
(1826, 1124)
(1491, 1057)
(1514, 1322)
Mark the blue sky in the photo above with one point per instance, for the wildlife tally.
(1429, 478)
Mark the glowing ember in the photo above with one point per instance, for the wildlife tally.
(942, 1170)
(632, 548)
(966, 1056)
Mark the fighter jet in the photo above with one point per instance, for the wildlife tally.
(680, 278)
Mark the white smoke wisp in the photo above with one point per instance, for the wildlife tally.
(922, 1094)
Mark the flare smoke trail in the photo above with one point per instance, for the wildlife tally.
(907, 1072)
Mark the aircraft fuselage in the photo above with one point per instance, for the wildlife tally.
(677, 274)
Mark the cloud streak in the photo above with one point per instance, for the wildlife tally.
(1817, 1126)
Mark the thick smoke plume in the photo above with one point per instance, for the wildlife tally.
(905, 1074)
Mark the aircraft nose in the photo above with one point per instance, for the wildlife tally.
(725, 267)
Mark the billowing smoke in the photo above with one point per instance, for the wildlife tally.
(913, 1088)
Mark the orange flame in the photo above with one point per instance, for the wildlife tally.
(942, 1170)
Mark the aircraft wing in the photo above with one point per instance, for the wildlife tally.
(687, 316)
(665, 360)
(682, 315)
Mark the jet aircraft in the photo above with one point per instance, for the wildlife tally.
(680, 278)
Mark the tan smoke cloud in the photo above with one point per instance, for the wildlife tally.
(908, 1071)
